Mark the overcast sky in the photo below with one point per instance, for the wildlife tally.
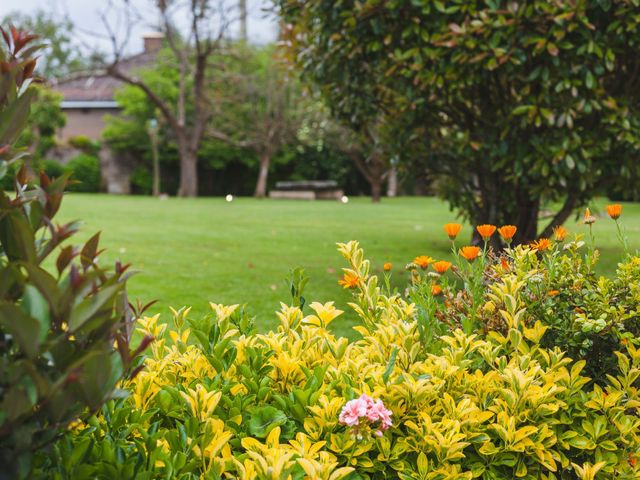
(85, 15)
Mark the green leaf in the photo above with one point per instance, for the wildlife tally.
(264, 419)
(14, 117)
(522, 109)
(24, 328)
(35, 305)
(390, 365)
(16, 236)
(46, 285)
(589, 80)
(571, 164)
(100, 303)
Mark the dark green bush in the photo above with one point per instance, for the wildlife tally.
(141, 181)
(52, 168)
(84, 143)
(84, 171)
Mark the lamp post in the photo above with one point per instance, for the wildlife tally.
(152, 130)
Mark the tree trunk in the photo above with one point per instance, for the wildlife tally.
(527, 221)
(392, 182)
(561, 216)
(420, 185)
(376, 189)
(242, 6)
(188, 173)
(263, 175)
(155, 189)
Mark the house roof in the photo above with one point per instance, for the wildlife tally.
(96, 89)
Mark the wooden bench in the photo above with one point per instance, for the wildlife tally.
(307, 190)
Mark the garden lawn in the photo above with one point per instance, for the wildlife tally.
(195, 251)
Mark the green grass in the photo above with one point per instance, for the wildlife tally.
(193, 251)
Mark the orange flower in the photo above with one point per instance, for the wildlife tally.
(387, 266)
(442, 266)
(452, 229)
(632, 461)
(614, 210)
(470, 253)
(349, 280)
(504, 264)
(553, 293)
(507, 232)
(486, 231)
(423, 261)
(588, 218)
(541, 245)
(436, 289)
(560, 233)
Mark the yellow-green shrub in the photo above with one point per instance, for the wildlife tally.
(216, 401)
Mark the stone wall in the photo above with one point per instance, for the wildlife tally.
(115, 170)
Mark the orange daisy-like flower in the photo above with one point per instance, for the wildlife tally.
(504, 264)
(452, 229)
(349, 280)
(423, 261)
(507, 232)
(387, 266)
(442, 266)
(470, 253)
(560, 233)
(541, 245)
(588, 218)
(553, 293)
(486, 231)
(436, 289)
(614, 210)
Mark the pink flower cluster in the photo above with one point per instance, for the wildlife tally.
(367, 409)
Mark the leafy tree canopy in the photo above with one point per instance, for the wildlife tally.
(510, 104)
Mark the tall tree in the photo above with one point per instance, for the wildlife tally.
(191, 52)
(263, 105)
(516, 103)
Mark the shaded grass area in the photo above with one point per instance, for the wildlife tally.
(193, 251)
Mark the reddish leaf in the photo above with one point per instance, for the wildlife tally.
(146, 341)
(22, 175)
(5, 36)
(89, 251)
(44, 180)
(27, 72)
(65, 257)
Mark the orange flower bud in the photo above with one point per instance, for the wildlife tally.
(541, 245)
(486, 231)
(560, 233)
(507, 232)
(452, 229)
(442, 266)
(470, 253)
(423, 261)
(504, 264)
(614, 210)
(349, 280)
(588, 218)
